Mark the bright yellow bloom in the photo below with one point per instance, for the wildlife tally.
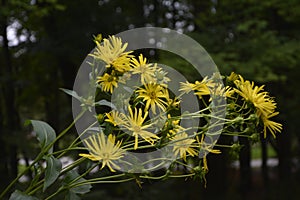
(107, 82)
(135, 123)
(200, 88)
(105, 150)
(154, 95)
(112, 52)
(254, 94)
(115, 118)
(272, 126)
(145, 70)
(183, 144)
(264, 104)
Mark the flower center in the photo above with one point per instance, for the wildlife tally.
(152, 95)
(136, 128)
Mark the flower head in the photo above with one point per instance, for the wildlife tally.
(201, 88)
(115, 117)
(135, 123)
(183, 144)
(105, 150)
(146, 71)
(265, 105)
(254, 94)
(107, 82)
(272, 126)
(232, 77)
(155, 96)
(112, 52)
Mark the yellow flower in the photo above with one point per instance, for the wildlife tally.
(145, 70)
(107, 82)
(183, 144)
(112, 52)
(272, 126)
(154, 95)
(135, 123)
(98, 38)
(208, 148)
(200, 88)
(226, 91)
(232, 77)
(105, 150)
(254, 94)
(115, 118)
(264, 104)
(186, 87)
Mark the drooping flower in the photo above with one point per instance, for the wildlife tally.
(105, 150)
(206, 147)
(254, 94)
(107, 82)
(155, 96)
(146, 71)
(134, 122)
(112, 52)
(272, 126)
(265, 105)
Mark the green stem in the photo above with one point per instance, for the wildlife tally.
(40, 156)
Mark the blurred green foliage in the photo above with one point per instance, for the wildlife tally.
(48, 39)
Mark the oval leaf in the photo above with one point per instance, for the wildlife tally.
(82, 189)
(17, 195)
(53, 169)
(45, 133)
(72, 196)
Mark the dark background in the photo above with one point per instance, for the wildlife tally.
(43, 42)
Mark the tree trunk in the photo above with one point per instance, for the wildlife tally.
(245, 166)
(10, 114)
(264, 166)
(284, 165)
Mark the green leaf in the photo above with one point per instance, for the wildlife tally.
(72, 93)
(82, 189)
(104, 102)
(17, 195)
(45, 133)
(72, 196)
(53, 169)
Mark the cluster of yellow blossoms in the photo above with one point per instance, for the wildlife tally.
(152, 96)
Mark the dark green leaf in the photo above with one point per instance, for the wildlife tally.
(17, 195)
(53, 169)
(45, 133)
(72, 196)
(82, 189)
